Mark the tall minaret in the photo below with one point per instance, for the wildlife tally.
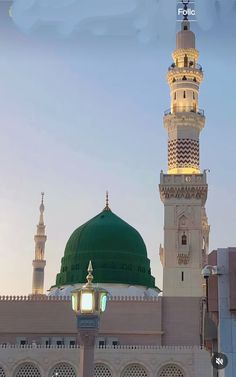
(183, 189)
(39, 262)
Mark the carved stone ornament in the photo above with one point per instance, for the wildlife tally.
(186, 192)
(183, 258)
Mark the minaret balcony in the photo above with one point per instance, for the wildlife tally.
(184, 109)
(188, 186)
(183, 74)
(190, 66)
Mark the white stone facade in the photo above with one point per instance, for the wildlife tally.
(121, 361)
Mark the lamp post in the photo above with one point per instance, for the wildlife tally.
(88, 302)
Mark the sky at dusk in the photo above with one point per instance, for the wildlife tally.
(82, 94)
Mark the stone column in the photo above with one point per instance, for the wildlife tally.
(87, 342)
(88, 328)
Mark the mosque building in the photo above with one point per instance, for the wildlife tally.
(144, 332)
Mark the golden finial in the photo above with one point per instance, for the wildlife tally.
(107, 208)
(185, 3)
(89, 277)
(107, 199)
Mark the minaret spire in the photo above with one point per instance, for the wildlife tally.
(39, 262)
(184, 188)
(41, 209)
(184, 120)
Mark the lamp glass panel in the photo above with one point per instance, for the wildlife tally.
(74, 301)
(103, 302)
(86, 301)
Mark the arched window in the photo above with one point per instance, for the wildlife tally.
(193, 95)
(101, 370)
(203, 244)
(185, 60)
(184, 78)
(184, 239)
(62, 370)
(134, 370)
(175, 96)
(27, 370)
(184, 94)
(171, 371)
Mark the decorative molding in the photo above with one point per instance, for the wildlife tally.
(111, 348)
(189, 72)
(187, 119)
(186, 192)
(183, 258)
(35, 298)
(45, 298)
(183, 153)
(191, 52)
(37, 346)
(134, 298)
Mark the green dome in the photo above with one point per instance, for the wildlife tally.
(117, 251)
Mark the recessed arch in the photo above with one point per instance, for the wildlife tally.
(171, 370)
(183, 221)
(102, 370)
(62, 369)
(27, 369)
(134, 370)
(184, 239)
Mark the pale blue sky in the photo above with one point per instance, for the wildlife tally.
(81, 112)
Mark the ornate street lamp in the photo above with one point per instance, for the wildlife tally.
(88, 302)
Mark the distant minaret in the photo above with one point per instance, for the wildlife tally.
(39, 262)
(184, 188)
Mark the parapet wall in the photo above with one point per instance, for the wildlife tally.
(129, 320)
(134, 320)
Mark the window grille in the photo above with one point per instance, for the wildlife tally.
(171, 371)
(27, 370)
(62, 370)
(135, 370)
(102, 370)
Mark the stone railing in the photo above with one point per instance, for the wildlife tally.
(186, 179)
(150, 347)
(37, 346)
(184, 109)
(131, 348)
(68, 298)
(134, 298)
(190, 66)
(35, 298)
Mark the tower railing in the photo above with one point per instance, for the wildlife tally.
(189, 66)
(184, 109)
